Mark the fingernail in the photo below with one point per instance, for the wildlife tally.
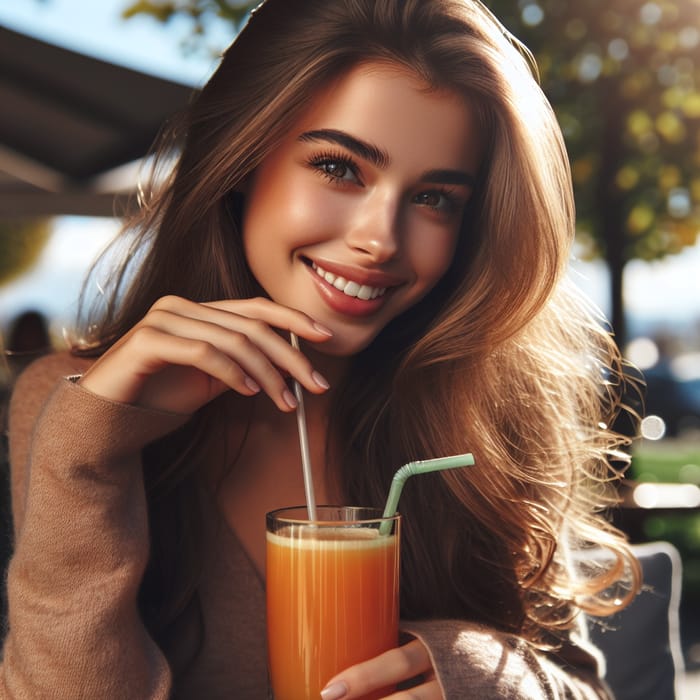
(320, 380)
(289, 399)
(336, 691)
(252, 385)
(322, 329)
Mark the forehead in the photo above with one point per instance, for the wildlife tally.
(393, 107)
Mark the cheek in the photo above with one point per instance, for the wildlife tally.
(432, 256)
(293, 212)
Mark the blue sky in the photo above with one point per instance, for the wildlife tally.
(95, 27)
(661, 291)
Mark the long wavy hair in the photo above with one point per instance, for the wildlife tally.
(503, 358)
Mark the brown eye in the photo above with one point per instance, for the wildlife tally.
(336, 169)
(429, 199)
(339, 170)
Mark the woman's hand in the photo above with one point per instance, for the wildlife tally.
(182, 354)
(386, 671)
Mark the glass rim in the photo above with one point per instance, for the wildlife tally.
(376, 516)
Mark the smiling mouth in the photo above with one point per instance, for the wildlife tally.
(348, 287)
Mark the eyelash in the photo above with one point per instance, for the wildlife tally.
(452, 201)
(318, 161)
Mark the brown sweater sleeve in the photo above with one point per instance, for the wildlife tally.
(473, 661)
(81, 547)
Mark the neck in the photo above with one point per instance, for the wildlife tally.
(332, 367)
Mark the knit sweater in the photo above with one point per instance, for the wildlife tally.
(81, 548)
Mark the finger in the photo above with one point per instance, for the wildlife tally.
(249, 346)
(230, 311)
(252, 343)
(150, 350)
(383, 671)
(258, 318)
(282, 317)
(239, 365)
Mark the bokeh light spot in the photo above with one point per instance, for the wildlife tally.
(640, 219)
(689, 37)
(627, 177)
(653, 428)
(618, 49)
(643, 352)
(532, 14)
(650, 13)
(589, 67)
(678, 203)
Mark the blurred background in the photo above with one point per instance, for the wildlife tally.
(623, 77)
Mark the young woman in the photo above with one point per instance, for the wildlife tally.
(386, 180)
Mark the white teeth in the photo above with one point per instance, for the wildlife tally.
(364, 292)
(352, 289)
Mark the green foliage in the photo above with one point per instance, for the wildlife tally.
(624, 79)
(198, 11)
(21, 243)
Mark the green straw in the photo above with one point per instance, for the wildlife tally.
(411, 469)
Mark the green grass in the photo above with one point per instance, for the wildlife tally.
(667, 461)
(675, 461)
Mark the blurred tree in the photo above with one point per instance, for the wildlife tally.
(624, 79)
(21, 243)
(199, 12)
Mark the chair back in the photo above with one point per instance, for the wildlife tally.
(641, 644)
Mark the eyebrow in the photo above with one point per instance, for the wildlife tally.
(450, 177)
(380, 158)
(364, 150)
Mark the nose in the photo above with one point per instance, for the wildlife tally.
(374, 233)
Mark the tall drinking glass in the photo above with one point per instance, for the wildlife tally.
(332, 594)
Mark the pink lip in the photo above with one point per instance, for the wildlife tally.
(372, 278)
(352, 306)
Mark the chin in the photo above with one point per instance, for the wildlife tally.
(346, 343)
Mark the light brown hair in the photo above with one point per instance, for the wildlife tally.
(503, 358)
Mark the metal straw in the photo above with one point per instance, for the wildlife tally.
(304, 443)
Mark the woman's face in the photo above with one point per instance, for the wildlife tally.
(355, 216)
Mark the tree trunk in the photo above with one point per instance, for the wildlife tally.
(615, 258)
(610, 207)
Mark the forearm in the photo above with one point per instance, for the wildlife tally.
(474, 661)
(81, 549)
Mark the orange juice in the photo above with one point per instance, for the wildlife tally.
(332, 601)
